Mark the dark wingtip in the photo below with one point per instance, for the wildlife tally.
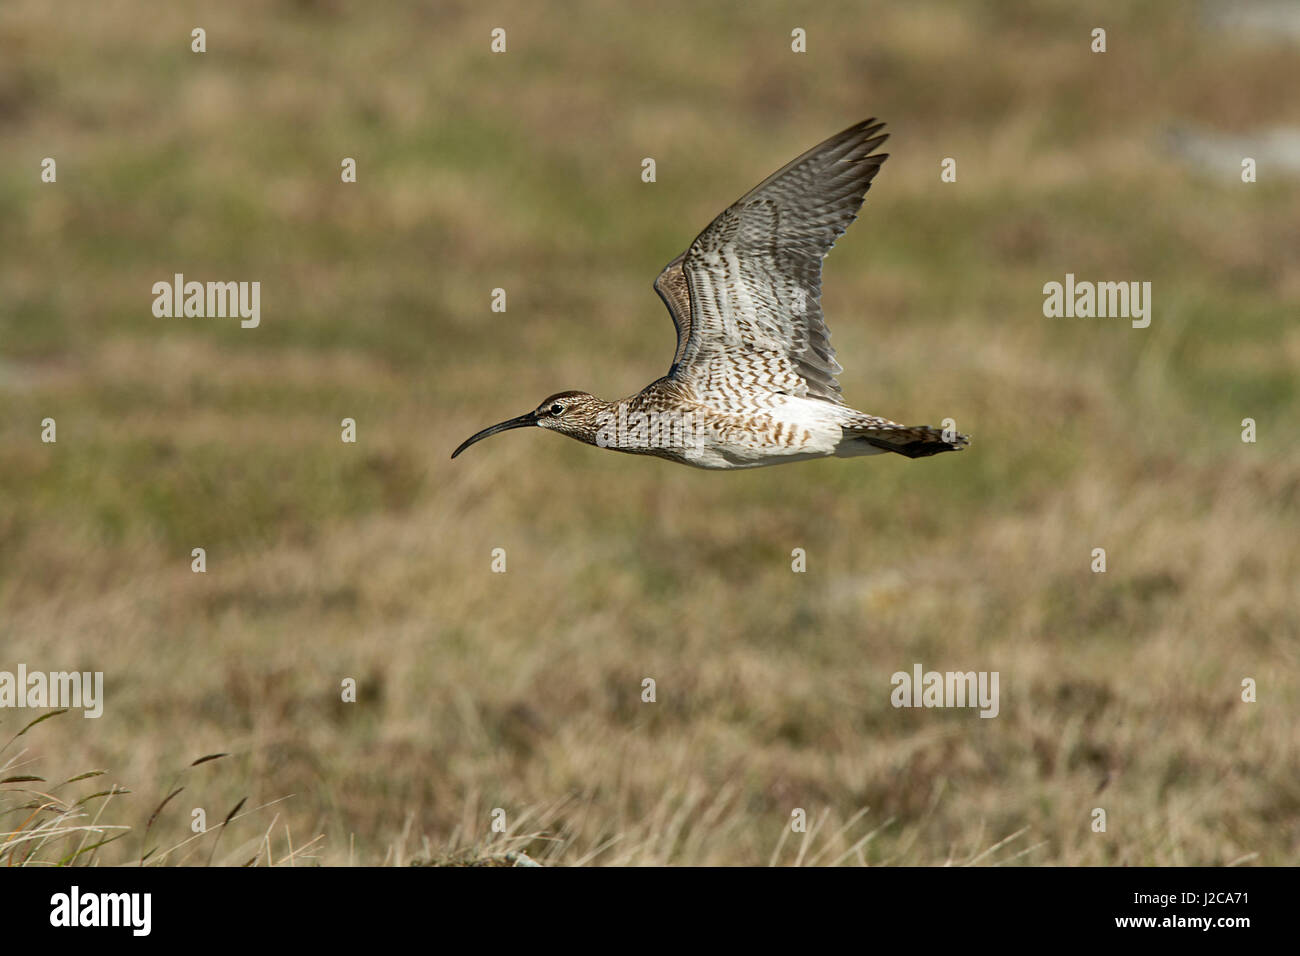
(924, 449)
(917, 449)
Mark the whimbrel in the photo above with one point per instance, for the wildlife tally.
(753, 380)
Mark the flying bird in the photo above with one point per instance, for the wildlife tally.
(753, 380)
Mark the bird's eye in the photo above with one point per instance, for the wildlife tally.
(557, 409)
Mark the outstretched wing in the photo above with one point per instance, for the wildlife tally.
(746, 295)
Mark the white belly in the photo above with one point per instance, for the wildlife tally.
(792, 429)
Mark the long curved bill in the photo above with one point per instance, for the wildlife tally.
(523, 421)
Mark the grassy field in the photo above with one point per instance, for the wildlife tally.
(522, 691)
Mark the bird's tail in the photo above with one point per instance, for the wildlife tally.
(914, 441)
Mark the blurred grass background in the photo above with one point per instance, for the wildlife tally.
(522, 690)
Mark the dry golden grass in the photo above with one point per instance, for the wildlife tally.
(522, 691)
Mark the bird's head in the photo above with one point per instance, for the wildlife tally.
(575, 414)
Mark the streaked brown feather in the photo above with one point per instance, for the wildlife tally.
(747, 292)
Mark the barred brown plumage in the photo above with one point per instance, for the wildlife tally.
(753, 379)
